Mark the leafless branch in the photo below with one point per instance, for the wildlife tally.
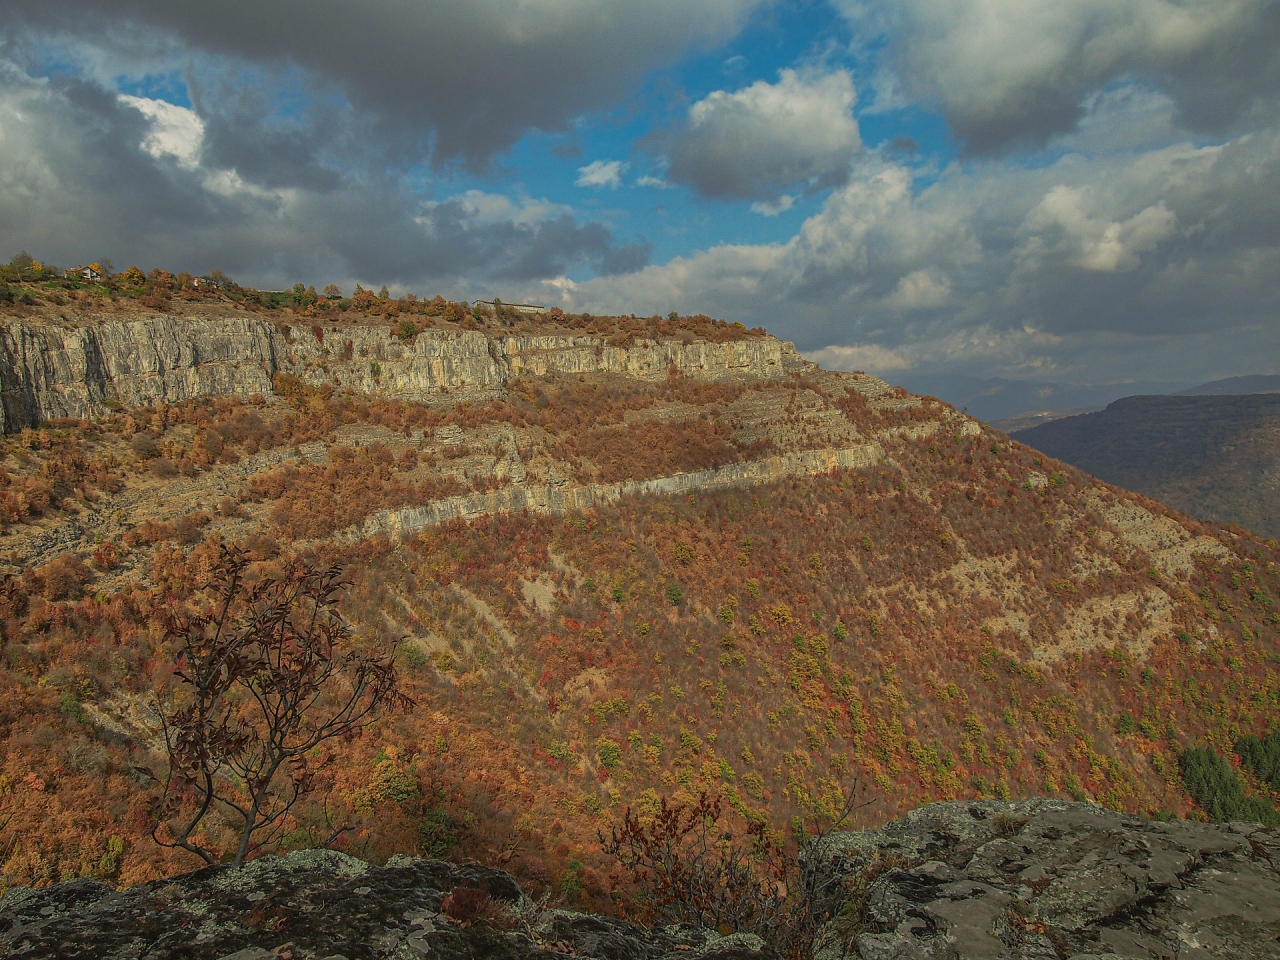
(268, 677)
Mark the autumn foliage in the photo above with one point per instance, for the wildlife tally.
(960, 617)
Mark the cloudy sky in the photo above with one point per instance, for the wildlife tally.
(1067, 190)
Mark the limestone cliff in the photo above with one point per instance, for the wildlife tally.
(49, 370)
(560, 499)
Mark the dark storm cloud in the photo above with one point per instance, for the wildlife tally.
(74, 173)
(475, 76)
(1007, 73)
(85, 174)
(243, 133)
(622, 260)
(511, 250)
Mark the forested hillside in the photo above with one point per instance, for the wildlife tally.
(1213, 457)
(827, 582)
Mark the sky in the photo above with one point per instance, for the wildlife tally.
(1082, 191)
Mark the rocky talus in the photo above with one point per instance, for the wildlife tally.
(1049, 879)
(323, 905)
(85, 369)
(1036, 879)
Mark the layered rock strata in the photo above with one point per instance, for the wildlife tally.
(84, 370)
(559, 499)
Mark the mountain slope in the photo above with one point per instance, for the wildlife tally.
(946, 615)
(1214, 457)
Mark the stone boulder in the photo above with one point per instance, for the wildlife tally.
(1048, 879)
(323, 905)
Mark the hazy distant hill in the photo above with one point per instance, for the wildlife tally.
(1036, 418)
(1235, 386)
(997, 398)
(1214, 457)
(1013, 405)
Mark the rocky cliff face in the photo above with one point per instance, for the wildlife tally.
(559, 499)
(1039, 879)
(83, 370)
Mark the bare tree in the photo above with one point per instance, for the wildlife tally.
(267, 675)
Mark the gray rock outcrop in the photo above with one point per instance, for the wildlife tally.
(84, 369)
(323, 905)
(560, 499)
(1044, 879)
(1049, 879)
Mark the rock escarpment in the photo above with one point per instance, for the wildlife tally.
(323, 905)
(560, 499)
(1050, 879)
(83, 370)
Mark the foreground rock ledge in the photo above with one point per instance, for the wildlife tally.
(1039, 879)
(1050, 879)
(324, 905)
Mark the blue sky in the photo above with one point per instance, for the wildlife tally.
(1078, 190)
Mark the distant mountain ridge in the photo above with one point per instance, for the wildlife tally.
(1215, 457)
(1235, 386)
(1013, 405)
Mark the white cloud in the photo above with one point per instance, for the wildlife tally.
(764, 138)
(771, 208)
(601, 174)
(866, 358)
(920, 290)
(488, 208)
(1140, 261)
(175, 131)
(1009, 70)
(1093, 243)
(178, 133)
(656, 182)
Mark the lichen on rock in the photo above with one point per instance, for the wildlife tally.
(1037, 879)
(1051, 879)
(323, 905)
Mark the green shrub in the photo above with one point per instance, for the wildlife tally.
(391, 784)
(69, 706)
(437, 833)
(1261, 758)
(609, 752)
(1126, 725)
(1216, 789)
(412, 655)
